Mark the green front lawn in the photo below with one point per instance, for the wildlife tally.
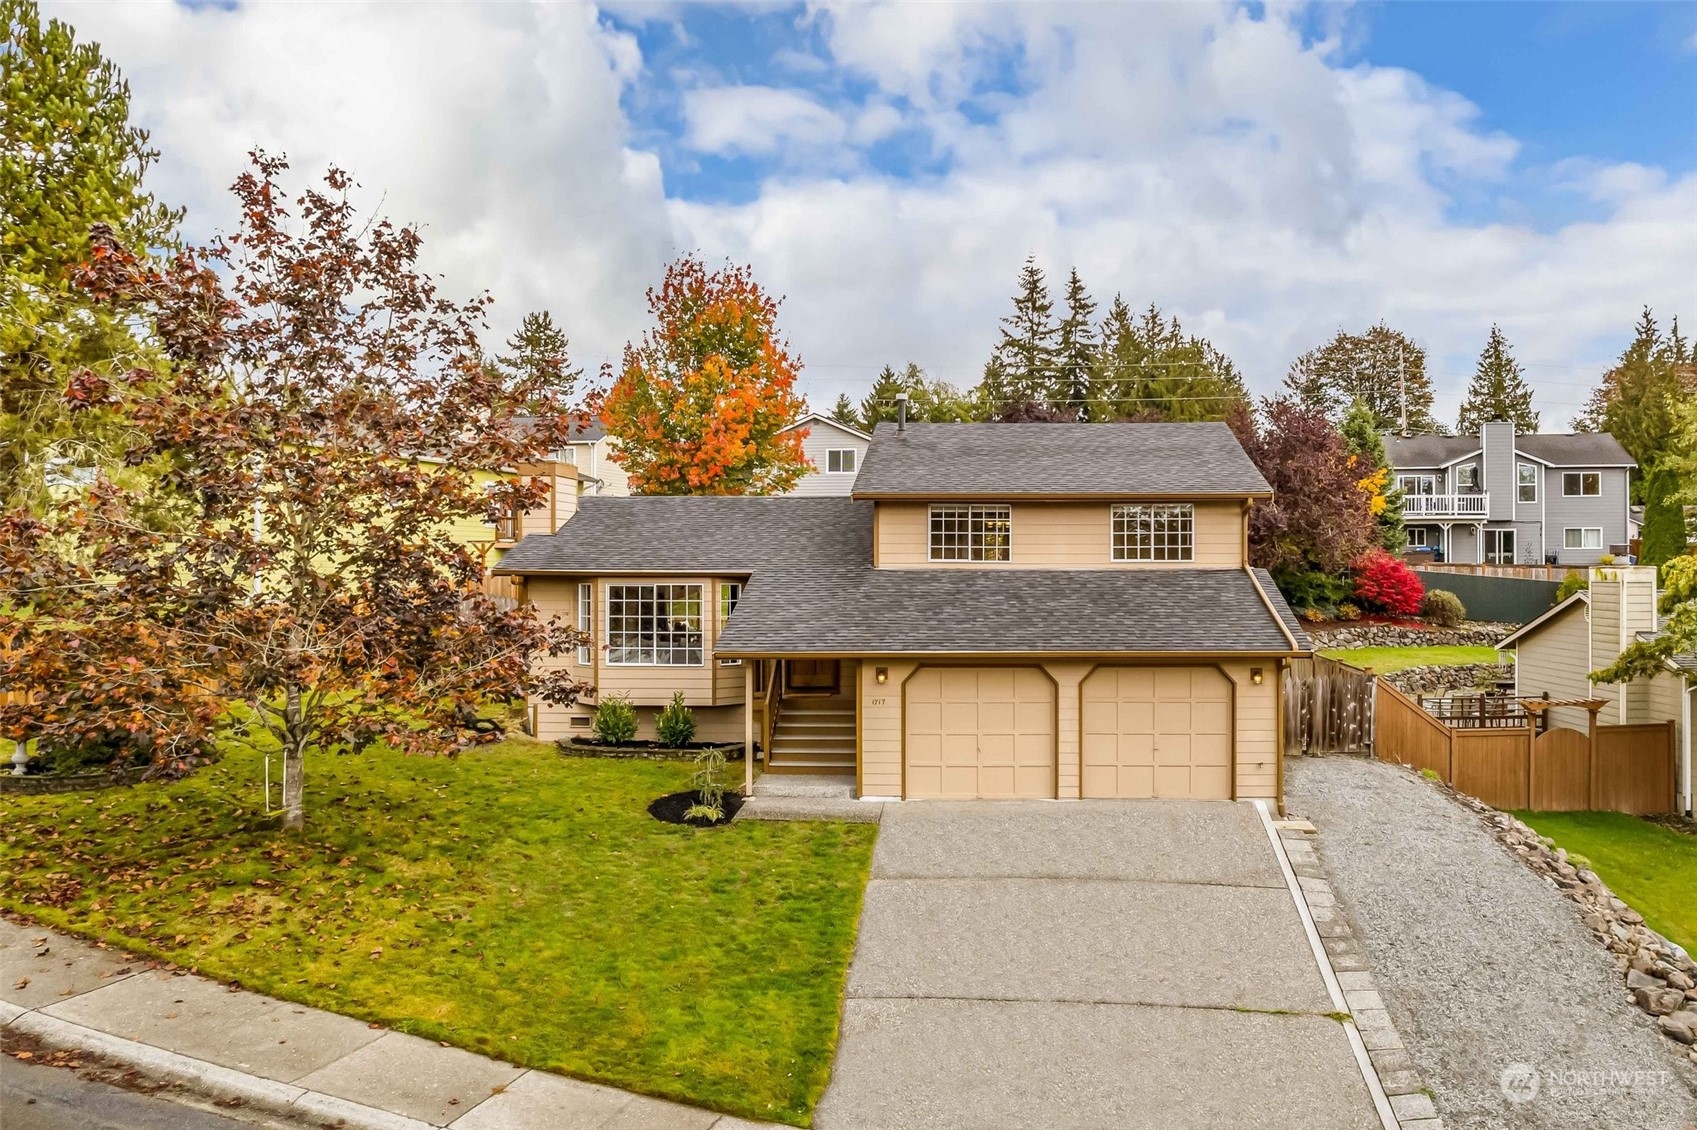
(512, 901)
(1384, 660)
(1653, 868)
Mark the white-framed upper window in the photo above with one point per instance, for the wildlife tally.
(1581, 483)
(1417, 484)
(729, 593)
(1583, 537)
(1467, 476)
(1499, 547)
(1419, 537)
(841, 460)
(1526, 482)
(567, 455)
(1145, 531)
(972, 532)
(586, 622)
(654, 626)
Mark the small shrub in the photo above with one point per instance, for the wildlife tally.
(1312, 589)
(1606, 559)
(676, 723)
(615, 720)
(1430, 774)
(1313, 615)
(1387, 584)
(1348, 611)
(1443, 608)
(1570, 584)
(709, 784)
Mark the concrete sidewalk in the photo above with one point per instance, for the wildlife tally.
(289, 1060)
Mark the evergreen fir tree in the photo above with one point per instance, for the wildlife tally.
(69, 159)
(539, 352)
(844, 412)
(1362, 439)
(1075, 350)
(880, 403)
(1027, 355)
(1148, 368)
(1498, 392)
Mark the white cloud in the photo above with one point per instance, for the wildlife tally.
(1188, 154)
(757, 120)
(497, 128)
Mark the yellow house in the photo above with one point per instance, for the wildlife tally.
(997, 610)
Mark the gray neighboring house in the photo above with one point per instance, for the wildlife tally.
(1499, 498)
(836, 451)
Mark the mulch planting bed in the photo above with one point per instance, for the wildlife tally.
(671, 807)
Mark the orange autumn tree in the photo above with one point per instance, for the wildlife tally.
(701, 400)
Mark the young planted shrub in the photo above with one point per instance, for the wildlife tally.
(1311, 590)
(615, 720)
(1570, 584)
(1386, 584)
(1348, 611)
(1442, 608)
(676, 723)
(709, 787)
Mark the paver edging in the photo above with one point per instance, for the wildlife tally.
(1407, 1101)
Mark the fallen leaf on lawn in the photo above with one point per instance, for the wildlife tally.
(377, 953)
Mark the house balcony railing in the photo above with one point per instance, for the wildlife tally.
(1446, 505)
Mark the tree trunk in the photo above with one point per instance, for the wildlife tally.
(294, 745)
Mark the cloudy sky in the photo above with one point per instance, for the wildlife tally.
(1269, 173)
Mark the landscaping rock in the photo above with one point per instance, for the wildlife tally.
(1474, 633)
(1457, 677)
(1659, 1002)
(1681, 1026)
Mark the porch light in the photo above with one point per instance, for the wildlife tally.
(1255, 675)
(882, 674)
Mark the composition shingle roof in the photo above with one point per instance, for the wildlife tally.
(1564, 449)
(1577, 449)
(1427, 451)
(860, 610)
(703, 534)
(939, 460)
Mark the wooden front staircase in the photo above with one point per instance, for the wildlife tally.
(814, 734)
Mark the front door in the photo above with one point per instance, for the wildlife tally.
(813, 676)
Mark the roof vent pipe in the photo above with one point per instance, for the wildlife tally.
(901, 412)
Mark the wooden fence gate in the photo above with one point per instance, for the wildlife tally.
(1609, 769)
(1328, 707)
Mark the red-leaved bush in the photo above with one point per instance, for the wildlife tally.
(1387, 584)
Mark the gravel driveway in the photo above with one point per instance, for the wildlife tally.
(1482, 963)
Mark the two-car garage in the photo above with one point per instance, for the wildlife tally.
(1141, 731)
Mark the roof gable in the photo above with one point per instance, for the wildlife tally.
(815, 420)
(1549, 616)
(1107, 460)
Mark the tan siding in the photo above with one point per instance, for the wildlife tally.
(1257, 730)
(1662, 698)
(1555, 660)
(1058, 535)
(881, 727)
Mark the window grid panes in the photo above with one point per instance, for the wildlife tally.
(654, 626)
(971, 533)
(1499, 547)
(1417, 536)
(1582, 538)
(1585, 483)
(586, 622)
(729, 593)
(1417, 484)
(1154, 532)
(1526, 482)
(840, 460)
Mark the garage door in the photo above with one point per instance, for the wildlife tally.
(1157, 732)
(980, 732)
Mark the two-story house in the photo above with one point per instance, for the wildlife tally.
(998, 610)
(1499, 498)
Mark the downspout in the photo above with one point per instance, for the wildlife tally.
(1685, 746)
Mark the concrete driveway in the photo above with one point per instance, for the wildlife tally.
(1113, 964)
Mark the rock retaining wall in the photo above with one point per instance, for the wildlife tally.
(1470, 634)
(1434, 680)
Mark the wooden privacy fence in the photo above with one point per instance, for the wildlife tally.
(1610, 768)
(1328, 707)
